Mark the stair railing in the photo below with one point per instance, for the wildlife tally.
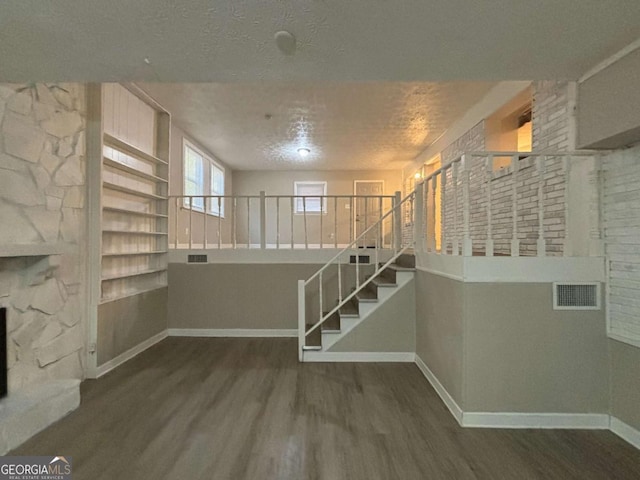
(399, 246)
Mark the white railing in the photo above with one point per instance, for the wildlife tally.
(279, 221)
(513, 204)
(349, 256)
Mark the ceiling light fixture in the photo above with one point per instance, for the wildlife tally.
(303, 152)
(417, 176)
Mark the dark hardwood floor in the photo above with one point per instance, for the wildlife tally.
(196, 408)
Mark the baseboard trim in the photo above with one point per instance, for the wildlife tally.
(232, 332)
(358, 357)
(575, 421)
(626, 432)
(129, 354)
(448, 400)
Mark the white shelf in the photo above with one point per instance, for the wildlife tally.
(32, 250)
(133, 212)
(132, 171)
(119, 276)
(130, 149)
(130, 191)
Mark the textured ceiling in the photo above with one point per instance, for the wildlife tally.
(338, 40)
(347, 126)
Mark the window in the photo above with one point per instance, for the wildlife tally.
(309, 190)
(202, 176)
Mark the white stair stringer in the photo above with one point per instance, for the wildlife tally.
(348, 323)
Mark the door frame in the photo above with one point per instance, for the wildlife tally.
(355, 204)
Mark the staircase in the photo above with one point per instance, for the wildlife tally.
(339, 324)
(364, 297)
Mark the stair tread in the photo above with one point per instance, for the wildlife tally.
(366, 295)
(384, 282)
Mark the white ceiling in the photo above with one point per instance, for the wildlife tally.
(347, 126)
(338, 40)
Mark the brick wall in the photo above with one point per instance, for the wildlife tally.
(621, 220)
(551, 116)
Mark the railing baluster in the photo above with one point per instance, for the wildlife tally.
(455, 245)
(443, 213)
(335, 222)
(357, 268)
(424, 234)
(366, 219)
(176, 221)
(302, 324)
(219, 223)
(321, 218)
(304, 210)
(351, 214)
(488, 249)
(432, 238)
(515, 243)
(320, 295)
(467, 243)
(292, 214)
(248, 222)
(339, 282)
(204, 214)
(541, 247)
(234, 220)
(380, 232)
(190, 221)
(278, 223)
(263, 220)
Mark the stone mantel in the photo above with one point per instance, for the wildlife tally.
(32, 250)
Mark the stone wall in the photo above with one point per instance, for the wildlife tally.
(42, 195)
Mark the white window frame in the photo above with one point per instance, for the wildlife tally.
(209, 166)
(298, 204)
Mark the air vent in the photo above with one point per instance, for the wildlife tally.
(576, 296)
(197, 259)
(361, 259)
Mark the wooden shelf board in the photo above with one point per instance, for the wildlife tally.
(120, 276)
(125, 147)
(131, 232)
(130, 191)
(133, 212)
(133, 171)
(134, 254)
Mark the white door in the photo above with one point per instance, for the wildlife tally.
(368, 206)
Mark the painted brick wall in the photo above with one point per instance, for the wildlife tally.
(551, 116)
(621, 222)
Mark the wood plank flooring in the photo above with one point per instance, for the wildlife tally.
(206, 408)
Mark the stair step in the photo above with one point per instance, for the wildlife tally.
(406, 260)
(314, 339)
(383, 282)
(367, 295)
(398, 268)
(350, 309)
(331, 324)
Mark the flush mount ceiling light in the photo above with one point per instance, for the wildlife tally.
(417, 176)
(286, 42)
(303, 152)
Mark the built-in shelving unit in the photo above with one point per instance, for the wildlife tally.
(134, 145)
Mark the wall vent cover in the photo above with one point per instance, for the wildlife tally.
(197, 259)
(361, 259)
(576, 296)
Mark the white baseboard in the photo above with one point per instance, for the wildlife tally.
(626, 432)
(590, 421)
(129, 354)
(311, 356)
(232, 332)
(448, 400)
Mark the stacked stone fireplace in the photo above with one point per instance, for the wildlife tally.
(42, 265)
